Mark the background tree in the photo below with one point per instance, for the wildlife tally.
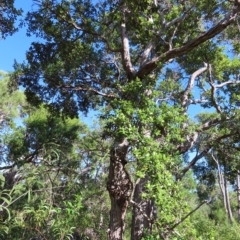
(8, 19)
(11, 103)
(161, 59)
(56, 170)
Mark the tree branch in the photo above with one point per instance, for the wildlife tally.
(176, 52)
(184, 218)
(145, 54)
(77, 27)
(126, 59)
(205, 151)
(227, 83)
(215, 104)
(178, 19)
(90, 90)
(209, 124)
(196, 101)
(193, 162)
(191, 139)
(185, 98)
(8, 167)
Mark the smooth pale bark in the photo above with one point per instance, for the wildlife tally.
(120, 189)
(221, 181)
(221, 185)
(238, 194)
(229, 210)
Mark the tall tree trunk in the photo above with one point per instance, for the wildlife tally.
(229, 210)
(143, 212)
(221, 182)
(238, 194)
(120, 189)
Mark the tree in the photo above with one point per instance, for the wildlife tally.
(11, 103)
(11, 107)
(9, 16)
(138, 75)
(54, 168)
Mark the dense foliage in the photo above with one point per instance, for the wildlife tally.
(9, 16)
(163, 78)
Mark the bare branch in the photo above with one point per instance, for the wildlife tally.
(190, 213)
(127, 64)
(192, 139)
(185, 99)
(209, 124)
(197, 101)
(215, 104)
(213, 90)
(165, 99)
(172, 37)
(227, 83)
(193, 162)
(7, 167)
(205, 151)
(214, 87)
(117, 67)
(78, 88)
(178, 19)
(189, 143)
(145, 54)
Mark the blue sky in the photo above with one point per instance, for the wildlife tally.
(15, 46)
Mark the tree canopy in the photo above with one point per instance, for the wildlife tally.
(8, 19)
(163, 77)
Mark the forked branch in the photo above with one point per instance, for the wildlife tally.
(185, 99)
(203, 37)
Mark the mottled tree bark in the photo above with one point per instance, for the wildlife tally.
(120, 189)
